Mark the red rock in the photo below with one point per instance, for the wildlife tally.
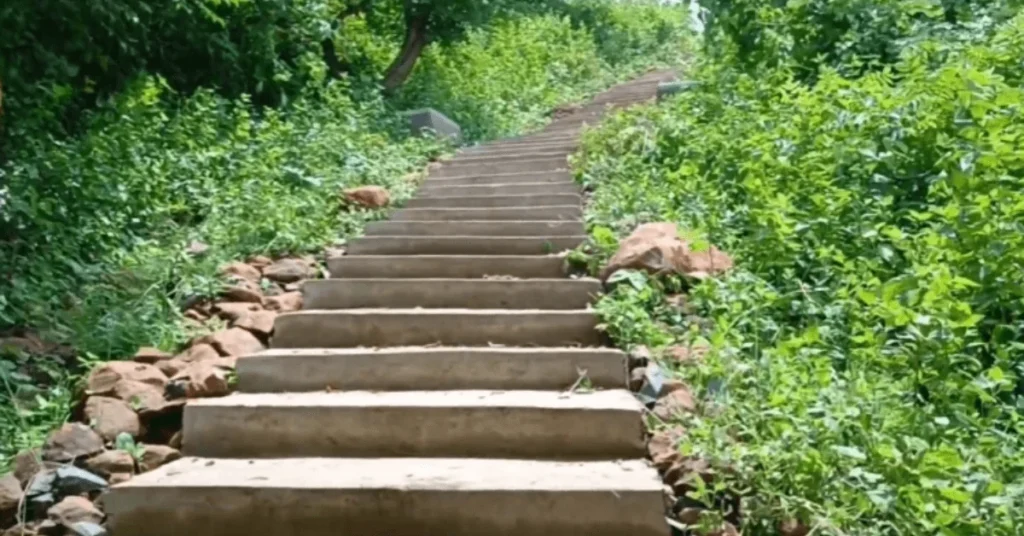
(141, 397)
(689, 516)
(102, 379)
(663, 448)
(657, 248)
(232, 311)
(73, 510)
(243, 291)
(70, 442)
(111, 417)
(234, 342)
(260, 323)
(110, 462)
(155, 456)
(175, 442)
(686, 354)
(196, 316)
(333, 252)
(288, 271)
(27, 464)
(204, 378)
(119, 478)
(198, 352)
(677, 402)
(10, 497)
(290, 301)
(368, 196)
(150, 355)
(243, 271)
(636, 378)
(259, 262)
(685, 471)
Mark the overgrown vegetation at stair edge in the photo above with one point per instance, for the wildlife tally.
(865, 372)
(113, 167)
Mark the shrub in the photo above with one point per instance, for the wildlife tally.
(869, 344)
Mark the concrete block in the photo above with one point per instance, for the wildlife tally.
(667, 89)
(428, 121)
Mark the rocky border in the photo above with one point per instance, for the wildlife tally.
(128, 419)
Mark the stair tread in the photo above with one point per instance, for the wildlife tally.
(613, 399)
(396, 350)
(446, 474)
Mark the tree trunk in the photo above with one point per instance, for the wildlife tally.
(335, 67)
(416, 40)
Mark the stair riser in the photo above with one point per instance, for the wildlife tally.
(503, 201)
(425, 432)
(564, 147)
(505, 178)
(240, 511)
(450, 294)
(543, 188)
(475, 228)
(448, 267)
(349, 330)
(462, 245)
(525, 154)
(544, 213)
(511, 166)
(429, 371)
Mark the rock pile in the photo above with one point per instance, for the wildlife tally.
(130, 416)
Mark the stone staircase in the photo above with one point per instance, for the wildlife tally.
(448, 380)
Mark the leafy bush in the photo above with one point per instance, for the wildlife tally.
(94, 228)
(869, 344)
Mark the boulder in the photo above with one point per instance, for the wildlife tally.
(657, 248)
(259, 261)
(232, 311)
(70, 442)
(111, 462)
(27, 464)
(288, 271)
(103, 379)
(140, 397)
(202, 379)
(150, 355)
(368, 196)
(111, 417)
(73, 510)
(793, 527)
(663, 448)
(243, 271)
(677, 402)
(285, 303)
(10, 497)
(686, 354)
(155, 456)
(430, 122)
(234, 342)
(242, 290)
(260, 323)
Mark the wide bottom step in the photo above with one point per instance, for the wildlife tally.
(393, 497)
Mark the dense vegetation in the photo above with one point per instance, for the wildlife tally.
(131, 130)
(864, 163)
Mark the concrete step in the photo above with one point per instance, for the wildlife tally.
(392, 497)
(454, 327)
(521, 154)
(463, 245)
(450, 293)
(429, 369)
(567, 146)
(526, 188)
(475, 228)
(448, 424)
(501, 178)
(489, 201)
(539, 213)
(447, 266)
(500, 166)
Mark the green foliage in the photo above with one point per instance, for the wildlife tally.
(870, 340)
(95, 227)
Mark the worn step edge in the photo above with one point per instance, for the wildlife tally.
(394, 496)
(429, 368)
(450, 293)
(475, 228)
(473, 423)
(494, 201)
(448, 266)
(524, 188)
(501, 178)
(546, 213)
(463, 245)
(351, 328)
